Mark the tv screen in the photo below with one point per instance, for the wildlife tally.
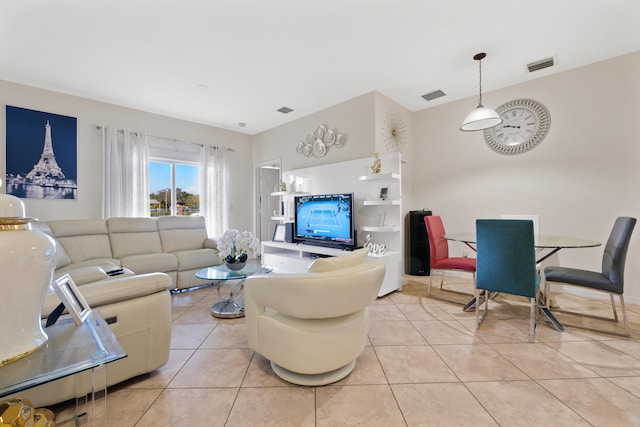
(325, 219)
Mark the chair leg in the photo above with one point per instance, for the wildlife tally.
(533, 319)
(613, 306)
(429, 284)
(477, 308)
(624, 315)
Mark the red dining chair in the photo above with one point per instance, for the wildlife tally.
(439, 253)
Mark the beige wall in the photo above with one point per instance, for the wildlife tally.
(579, 179)
(89, 113)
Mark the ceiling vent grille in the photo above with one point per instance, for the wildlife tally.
(539, 65)
(284, 110)
(433, 95)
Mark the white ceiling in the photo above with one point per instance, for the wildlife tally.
(221, 62)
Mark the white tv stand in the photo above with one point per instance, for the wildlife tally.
(296, 258)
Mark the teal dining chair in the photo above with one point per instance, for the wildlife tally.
(506, 263)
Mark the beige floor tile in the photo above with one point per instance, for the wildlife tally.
(196, 314)
(540, 361)
(189, 336)
(160, 378)
(213, 368)
(424, 311)
(437, 405)
(357, 405)
(227, 335)
(367, 370)
(382, 312)
(413, 364)
(631, 384)
(478, 362)
(190, 407)
(273, 406)
(445, 332)
(260, 374)
(597, 400)
(126, 406)
(494, 330)
(394, 333)
(600, 357)
(523, 403)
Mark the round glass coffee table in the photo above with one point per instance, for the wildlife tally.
(231, 306)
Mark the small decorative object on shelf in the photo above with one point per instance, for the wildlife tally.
(384, 191)
(376, 167)
(235, 248)
(374, 248)
(283, 186)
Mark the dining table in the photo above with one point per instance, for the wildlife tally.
(546, 245)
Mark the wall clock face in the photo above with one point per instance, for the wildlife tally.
(525, 123)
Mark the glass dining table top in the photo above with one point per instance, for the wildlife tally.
(540, 240)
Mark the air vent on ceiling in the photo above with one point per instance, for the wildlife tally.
(285, 110)
(539, 65)
(433, 95)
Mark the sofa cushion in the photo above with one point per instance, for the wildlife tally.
(133, 236)
(148, 263)
(197, 258)
(82, 239)
(182, 233)
(322, 265)
(62, 258)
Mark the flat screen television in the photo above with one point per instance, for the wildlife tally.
(325, 220)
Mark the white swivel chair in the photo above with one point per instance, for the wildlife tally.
(312, 326)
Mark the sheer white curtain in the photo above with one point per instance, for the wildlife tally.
(214, 188)
(125, 187)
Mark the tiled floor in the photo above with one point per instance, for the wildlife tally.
(425, 366)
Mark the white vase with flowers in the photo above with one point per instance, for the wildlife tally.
(235, 248)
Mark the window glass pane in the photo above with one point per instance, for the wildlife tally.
(187, 189)
(160, 188)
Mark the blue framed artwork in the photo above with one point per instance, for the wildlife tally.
(42, 154)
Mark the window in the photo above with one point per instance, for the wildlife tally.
(174, 187)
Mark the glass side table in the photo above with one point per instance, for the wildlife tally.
(231, 306)
(70, 349)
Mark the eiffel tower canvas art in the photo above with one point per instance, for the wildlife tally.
(41, 154)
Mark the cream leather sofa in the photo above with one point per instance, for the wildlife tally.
(154, 256)
(175, 245)
(312, 326)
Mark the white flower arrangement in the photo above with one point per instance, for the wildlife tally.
(235, 246)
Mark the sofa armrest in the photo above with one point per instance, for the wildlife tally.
(84, 275)
(210, 244)
(110, 290)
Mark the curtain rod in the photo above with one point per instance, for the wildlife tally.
(99, 127)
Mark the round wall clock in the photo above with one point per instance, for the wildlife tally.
(394, 131)
(525, 123)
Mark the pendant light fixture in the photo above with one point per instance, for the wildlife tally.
(482, 117)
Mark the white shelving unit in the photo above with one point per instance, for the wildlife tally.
(286, 203)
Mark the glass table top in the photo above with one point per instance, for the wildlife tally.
(70, 349)
(541, 240)
(221, 272)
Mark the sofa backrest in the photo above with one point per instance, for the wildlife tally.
(82, 239)
(182, 233)
(133, 236)
(62, 258)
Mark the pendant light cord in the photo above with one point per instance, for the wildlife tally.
(480, 81)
